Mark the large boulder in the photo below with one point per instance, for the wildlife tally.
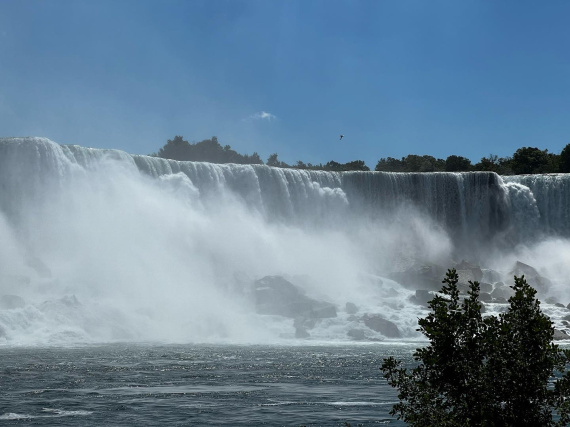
(470, 271)
(379, 324)
(277, 296)
(560, 335)
(491, 276)
(420, 277)
(533, 278)
(351, 308)
(422, 297)
(356, 334)
(502, 291)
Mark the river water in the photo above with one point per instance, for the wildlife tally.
(126, 384)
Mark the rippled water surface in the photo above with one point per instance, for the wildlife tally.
(197, 385)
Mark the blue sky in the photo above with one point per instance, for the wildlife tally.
(401, 77)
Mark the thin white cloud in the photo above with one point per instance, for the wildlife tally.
(262, 115)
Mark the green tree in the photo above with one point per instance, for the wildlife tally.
(176, 148)
(565, 159)
(528, 160)
(208, 150)
(484, 371)
(389, 164)
(457, 164)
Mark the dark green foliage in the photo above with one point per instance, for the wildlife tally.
(411, 163)
(528, 160)
(564, 164)
(208, 150)
(457, 164)
(274, 161)
(494, 163)
(355, 165)
(525, 160)
(389, 164)
(484, 371)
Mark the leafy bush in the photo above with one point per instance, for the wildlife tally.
(484, 371)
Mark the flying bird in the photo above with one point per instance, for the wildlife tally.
(342, 136)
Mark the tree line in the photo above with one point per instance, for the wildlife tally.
(525, 160)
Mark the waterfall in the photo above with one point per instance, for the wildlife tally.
(103, 245)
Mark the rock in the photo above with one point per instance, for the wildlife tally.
(356, 334)
(485, 297)
(532, 276)
(322, 310)
(550, 300)
(491, 276)
(560, 335)
(463, 288)
(420, 277)
(379, 324)
(500, 300)
(351, 308)
(521, 268)
(10, 302)
(422, 297)
(304, 323)
(559, 305)
(277, 296)
(568, 306)
(475, 270)
(485, 287)
(502, 291)
(465, 276)
(483, 308)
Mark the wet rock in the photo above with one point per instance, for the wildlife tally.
(559, 305)
(379, 324)
(466, 276)
(485, 287)
(532, 276)
(422, 297)
(500, 300)
(502, 291)
(351, 308)
(11, 302)
(356, 334)
(485, 297)
(560, 335)
(421, 277)
(474, 270)
(276, 295)
(304, 323)
(491, 276)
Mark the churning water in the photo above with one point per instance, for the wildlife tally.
(231, 271)
(117, 385)
(103, 246)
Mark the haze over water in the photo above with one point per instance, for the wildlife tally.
(103, 246)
